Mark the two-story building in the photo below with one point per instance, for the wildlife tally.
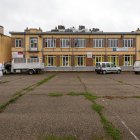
(5, 47)
(77, 50)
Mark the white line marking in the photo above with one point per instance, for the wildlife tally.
(136, 138)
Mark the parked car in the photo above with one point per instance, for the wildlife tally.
(137, 67)
(106, 67)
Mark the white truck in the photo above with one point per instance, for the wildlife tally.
(18, 65)
(137, 67)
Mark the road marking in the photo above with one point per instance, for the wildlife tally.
(124, 124)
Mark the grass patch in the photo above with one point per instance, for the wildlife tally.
(12, 100)
(75, 93)
(45, 80)
(55, 94)
(97, 108)
(17, 95)
(110, 129)
(2, 82)
(57, 138)
(136, 97)
(90, 97)
(87, 95)
(113, 132)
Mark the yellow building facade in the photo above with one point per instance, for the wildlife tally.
(5, 47)
(77, 50)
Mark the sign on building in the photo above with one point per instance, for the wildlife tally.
(17, 54)
(89, 54)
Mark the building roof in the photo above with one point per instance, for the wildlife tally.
(75, 33)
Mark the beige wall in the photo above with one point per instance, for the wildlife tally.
(74, 51)
(5, 49)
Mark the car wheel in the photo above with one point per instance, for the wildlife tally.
(118, 72)
(104, 72)
(136, 72)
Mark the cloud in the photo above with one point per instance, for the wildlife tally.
(108, 15)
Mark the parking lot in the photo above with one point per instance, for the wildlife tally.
(60, 105)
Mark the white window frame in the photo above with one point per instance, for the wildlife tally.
(35, 41)
(130, 62)
(113, 43)
(51, 43)
(98, 43)
(54, 61)
(17, 44)
(81, 43)
(65, 61)
(84, 61)
(111, 58)
(63, 43)
(101, 57)
(128, 43)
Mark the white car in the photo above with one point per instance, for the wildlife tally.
(137, 67)
(106, 67)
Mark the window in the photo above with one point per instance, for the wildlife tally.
(50, 43)
(18, 43)
(33, 59)
(80, 43)
(98, 43)
(128, 42)
(33, 43)
(128, 60)
(50, 61)
(108, 64)
(98, 59)
(113, 43)
(65, 43)
(80, 61)
(65, 61)
(114, 59)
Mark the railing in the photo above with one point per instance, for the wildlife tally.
(25, 60)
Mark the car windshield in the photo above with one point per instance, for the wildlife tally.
(112, 65)
(97, 64)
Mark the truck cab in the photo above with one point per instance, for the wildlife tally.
(137, 67)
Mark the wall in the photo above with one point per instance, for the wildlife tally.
(5, 49)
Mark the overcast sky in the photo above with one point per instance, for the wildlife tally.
(108, 15)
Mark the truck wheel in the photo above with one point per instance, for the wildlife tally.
(31, 72)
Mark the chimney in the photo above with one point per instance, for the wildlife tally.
(1, 30)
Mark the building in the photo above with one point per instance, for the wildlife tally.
(77, 49)
(5, 47)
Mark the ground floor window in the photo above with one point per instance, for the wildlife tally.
(65, 61)
(50, 60)
(80, 60)
(97, 59)
(128, 60)
(114, 59)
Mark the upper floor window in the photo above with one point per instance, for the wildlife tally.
(18, 43)
(98, 43)
(80, 43)
(33, 43)
(113, 43)
(65, 43)
(128, 42)
(50, 43)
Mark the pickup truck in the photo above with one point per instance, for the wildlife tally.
(19, 65)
